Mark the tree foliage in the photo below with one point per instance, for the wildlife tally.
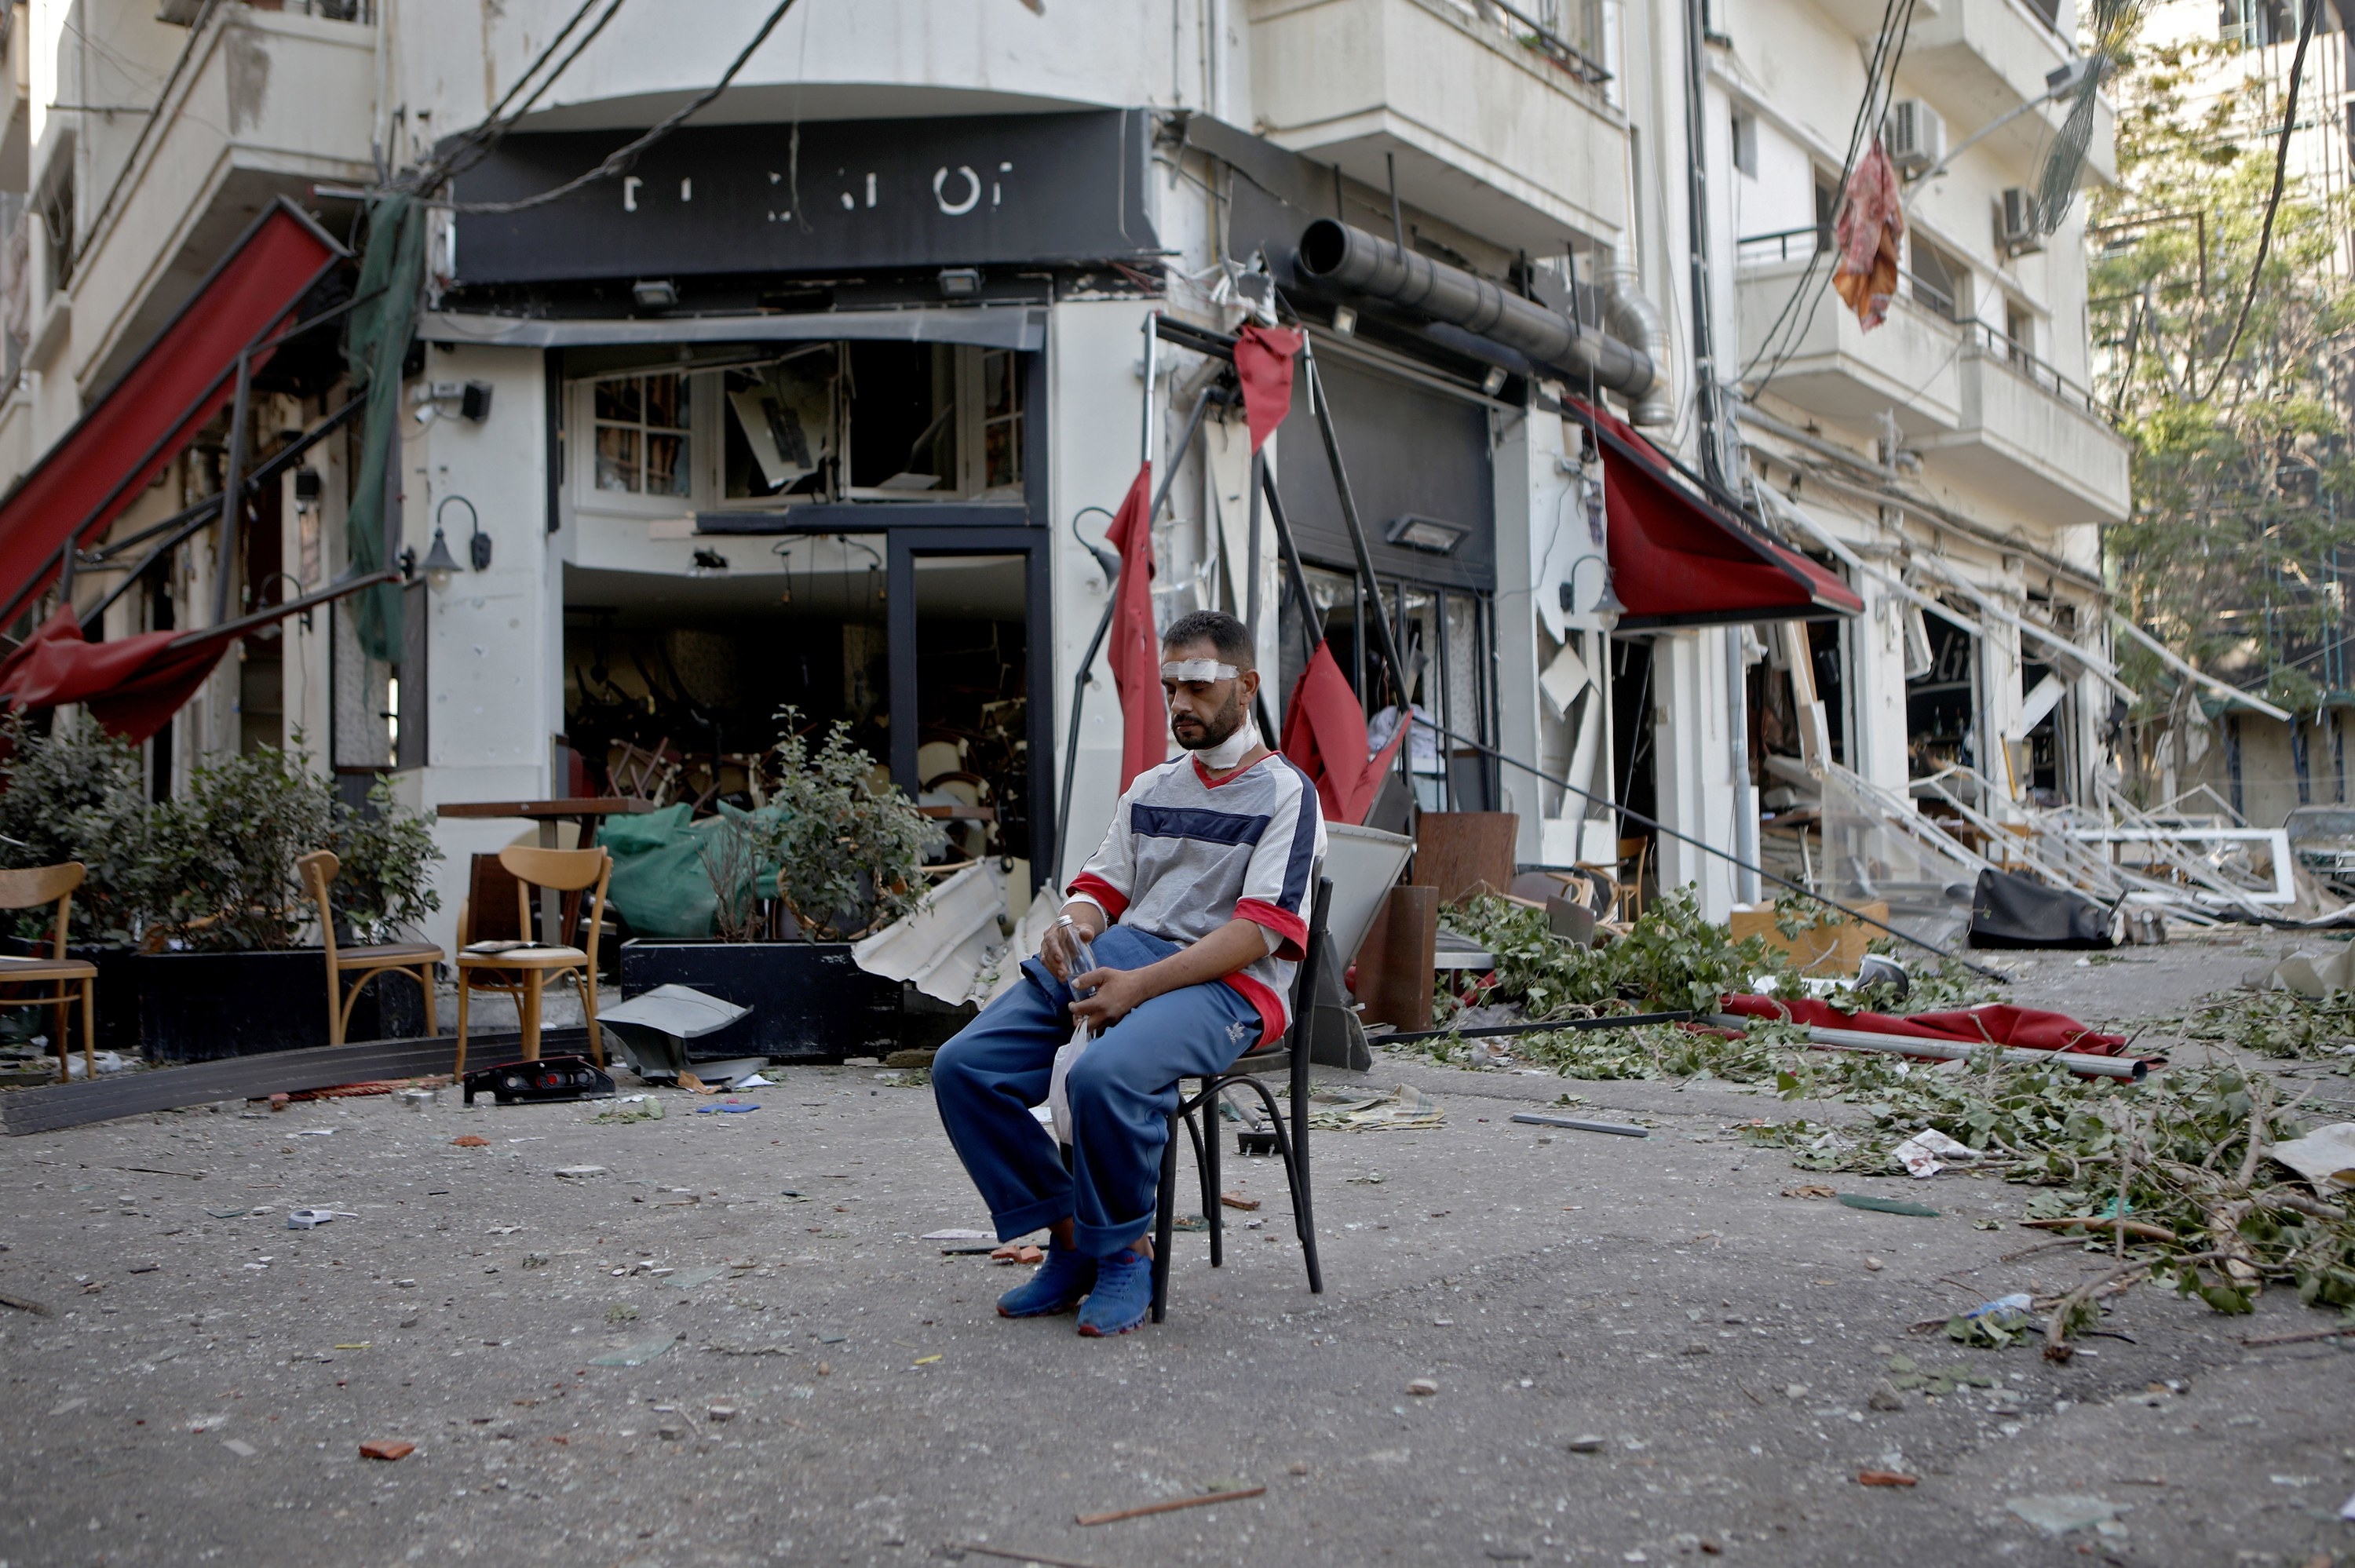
(2240, 468)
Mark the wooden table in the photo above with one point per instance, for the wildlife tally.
(587, 811)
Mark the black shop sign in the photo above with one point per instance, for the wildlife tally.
(828, 197)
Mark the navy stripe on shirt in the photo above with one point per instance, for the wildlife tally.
(1304, 845)
(1193, 822)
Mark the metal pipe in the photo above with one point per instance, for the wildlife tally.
(1339, 259)
(1629, 315)
(2130, 1068)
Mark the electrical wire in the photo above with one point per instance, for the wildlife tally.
(2272, 199)
(476, 144)
(1880, 80)
(622, 157)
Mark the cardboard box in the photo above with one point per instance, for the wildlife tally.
(1834, 950)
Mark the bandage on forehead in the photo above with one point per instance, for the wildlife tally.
(1196, 670)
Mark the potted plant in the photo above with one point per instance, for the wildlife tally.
(195, 903)
(825, 859)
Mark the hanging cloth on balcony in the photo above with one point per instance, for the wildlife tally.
(176, 385)
(1679, 559)
(1872, 224)
(133, 685)
(1264, 358)
(392, 274)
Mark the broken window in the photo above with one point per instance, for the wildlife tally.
(643, 434)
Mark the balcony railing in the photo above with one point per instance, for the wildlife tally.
(1556, 48)
(1998, 343)
(1797, 244)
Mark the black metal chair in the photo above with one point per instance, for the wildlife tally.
(1289, 1054)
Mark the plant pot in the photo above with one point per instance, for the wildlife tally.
(199, 1006)
(810, 1000)
(117, 999)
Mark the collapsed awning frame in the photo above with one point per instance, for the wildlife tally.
(58, 563)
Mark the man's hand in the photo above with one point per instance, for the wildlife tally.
(1116, 992)
(1055, 949)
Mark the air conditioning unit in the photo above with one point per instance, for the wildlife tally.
(2018, 231)
(1915, 136)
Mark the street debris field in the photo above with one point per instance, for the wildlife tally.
(393, 1328)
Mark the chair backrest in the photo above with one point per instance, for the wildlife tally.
(32, 886)
(319, 869)
(1305, 978)
(560, 871)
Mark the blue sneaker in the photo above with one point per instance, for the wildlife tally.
(1058, 1286)
(1122, 1298)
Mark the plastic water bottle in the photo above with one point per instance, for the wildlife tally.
(1079, 944)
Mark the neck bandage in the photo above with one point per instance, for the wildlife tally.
(1224, 756)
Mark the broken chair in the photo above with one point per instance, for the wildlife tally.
(29, 889)
(1288, 1055)
(521, 968)
(414, 960)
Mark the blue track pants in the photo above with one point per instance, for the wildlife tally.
(1121, 1090)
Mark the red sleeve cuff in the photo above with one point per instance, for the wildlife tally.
(1113, 899)
(1291, 931)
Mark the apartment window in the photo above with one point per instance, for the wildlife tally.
(1745, 143)
(1001, 419)
(2019, 331)
(58, 233)
(643, 445)
(2253, 24)
(1827, 202)
(1939, 283)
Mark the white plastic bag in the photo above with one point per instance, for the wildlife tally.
(1059, 1097)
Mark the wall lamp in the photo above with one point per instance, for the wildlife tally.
(439, 564)
(1607, 608)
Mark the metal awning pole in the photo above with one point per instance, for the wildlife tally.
(232, 512)
(1384, 642)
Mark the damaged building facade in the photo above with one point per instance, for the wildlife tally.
(824, 399)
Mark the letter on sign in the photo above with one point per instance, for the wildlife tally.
(971, 198)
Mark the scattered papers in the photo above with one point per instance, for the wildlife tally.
(1405, 1108)
(1922, 1154)
(2325, 1157)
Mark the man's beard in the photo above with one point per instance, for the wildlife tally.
(1216, 729)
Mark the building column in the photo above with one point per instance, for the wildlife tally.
(1692, 752)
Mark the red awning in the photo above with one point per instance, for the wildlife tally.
(178, 382)
(134, 685)
(1678, 558)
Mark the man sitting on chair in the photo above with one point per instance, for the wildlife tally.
(1195, 907)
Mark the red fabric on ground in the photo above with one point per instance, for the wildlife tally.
(1264, 365)
(1135, 649)
(1996, 1023)
(131, 686)
(1325, 734)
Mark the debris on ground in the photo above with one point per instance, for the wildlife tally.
(1924, 1154)
(1866, 1201)
(1994, 1324)
(1404, 1109)
(1618, 1129)
(2058, 1515)
(1886, 1478)
(2326, 1156)
(1227, 1494)
(1020, 1252)
(387, 1449)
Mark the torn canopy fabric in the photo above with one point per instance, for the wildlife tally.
(1324, 737)
(392, 274)
(1995, 1024)
(1264, 358)
(1133, 648)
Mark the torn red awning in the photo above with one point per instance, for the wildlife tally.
(1680, 559)
(178, 382)
(132, 686)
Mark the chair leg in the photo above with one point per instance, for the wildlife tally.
(58, 1041)
(336, 1007)
(534, 985)
(425, 984)
(588, 1006)
(88, 1030)
(1165, 1207)
(1205, 1166)
(465, 990)
(1303, 1203)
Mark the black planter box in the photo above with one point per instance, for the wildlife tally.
(117, 999)
(810, 1000)
(199, 1006)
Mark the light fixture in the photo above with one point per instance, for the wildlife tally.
(1345, 321)
(478, 544)
(1607, 608)
(960, 282)
(439, 564)
(1428, 534)
(655, 294)
(1494, 382)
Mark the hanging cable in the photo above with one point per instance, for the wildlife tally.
(2272, 199)
(622, 157)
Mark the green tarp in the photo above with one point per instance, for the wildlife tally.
(660, 882)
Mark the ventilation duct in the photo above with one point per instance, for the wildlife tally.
(1340, 259)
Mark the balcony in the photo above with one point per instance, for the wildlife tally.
(1975, 59)
(269, 103)
(2030, 437)
(1516, 108)
(1832, 367)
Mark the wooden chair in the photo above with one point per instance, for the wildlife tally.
(523, 971)
(1634, 857)
(416, 960)
(29, 889)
